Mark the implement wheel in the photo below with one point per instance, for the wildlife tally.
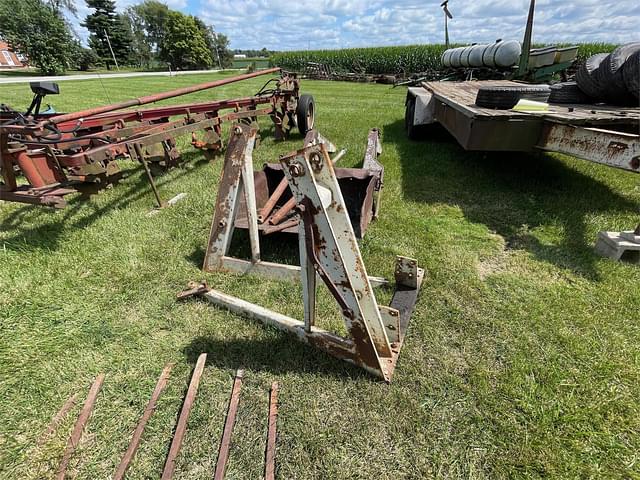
(305, 113)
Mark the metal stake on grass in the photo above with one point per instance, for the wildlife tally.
(270, 453)
(74, 439)
(137, 433)
(225, 443)
(57, 418)
(181, 428)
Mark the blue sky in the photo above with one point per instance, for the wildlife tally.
(302, 24)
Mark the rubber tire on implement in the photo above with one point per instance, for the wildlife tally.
(414, 132)
(610, 75)
(567, 92)
(587, 78)
(631, 75)
(504, 98)
(305, 113)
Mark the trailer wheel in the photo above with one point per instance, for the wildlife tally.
(414, 132)
(305, 113)
(504, 98)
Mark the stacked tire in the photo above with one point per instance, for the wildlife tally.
(612, 78)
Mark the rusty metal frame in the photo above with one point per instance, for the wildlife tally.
(82, 152)
(237, 185)
(328, 249)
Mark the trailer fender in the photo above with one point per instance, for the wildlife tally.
(424, 113)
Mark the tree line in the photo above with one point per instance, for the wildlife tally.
(146, 35)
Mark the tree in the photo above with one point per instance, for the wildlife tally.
(59, 5)
(183, 45)
(34, 29)
(151, 17)
(217, 44)
(103, 22)
(140, 45)
(221, 46)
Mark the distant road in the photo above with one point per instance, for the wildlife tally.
(95, 76)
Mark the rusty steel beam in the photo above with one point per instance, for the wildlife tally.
(270, 452)
(181, 428)
(157, 97)
(76, 434)
(146, 415)
(608, 147)
(57, 418)
(225, 442)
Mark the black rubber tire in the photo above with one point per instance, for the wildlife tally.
(610, 75)
(567, 92)
(631, 75)
(587, 77)
(305, 113)
(504, 98)
(414, 132)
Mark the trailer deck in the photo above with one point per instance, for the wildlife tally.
(599, 133)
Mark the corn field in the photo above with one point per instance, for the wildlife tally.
(390, 60)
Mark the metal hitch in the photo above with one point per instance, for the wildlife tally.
(328, 250)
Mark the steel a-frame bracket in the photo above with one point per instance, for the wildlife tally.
(328, 250)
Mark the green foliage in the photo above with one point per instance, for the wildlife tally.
(402, 59)
(149, 18)
(405, 59)
(86, 59)
(184, 46)
(34, 29)
(117, 27)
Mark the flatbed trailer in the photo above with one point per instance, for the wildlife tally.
(598, 133)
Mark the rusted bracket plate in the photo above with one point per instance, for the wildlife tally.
(608, 147)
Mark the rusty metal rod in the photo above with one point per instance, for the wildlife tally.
(137, 433)
(277, 217)
(57, 418)
(275, 196)
(270, 453)
(225, 443)
(157, 97)
(181, 428)
(74, 439)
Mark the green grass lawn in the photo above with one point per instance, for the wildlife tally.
(522, 359)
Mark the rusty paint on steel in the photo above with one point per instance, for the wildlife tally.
(57, 418)
(146, 415)
(76, 434)
(158, 96)
(225, 442)
(611, 148)
(181, 427)
(83, 153)
(270, 453)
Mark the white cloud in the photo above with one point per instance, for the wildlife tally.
(301, 24)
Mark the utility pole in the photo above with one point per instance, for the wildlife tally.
(111, 50)
(447, 16)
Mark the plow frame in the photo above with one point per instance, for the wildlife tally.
(74, 152)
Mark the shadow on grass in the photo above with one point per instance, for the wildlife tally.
(37, 227)
(282, 353)
(510, 193)
(277, 248)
